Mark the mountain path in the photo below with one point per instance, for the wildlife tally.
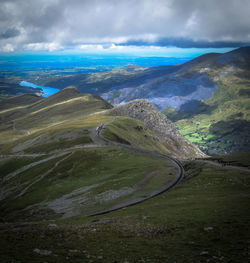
(42, 176)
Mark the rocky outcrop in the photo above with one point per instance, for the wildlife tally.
(163, 129)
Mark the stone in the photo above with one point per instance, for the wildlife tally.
(42, 252)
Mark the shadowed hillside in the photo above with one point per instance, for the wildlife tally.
(220, 124)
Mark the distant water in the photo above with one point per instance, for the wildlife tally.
(68, 64)
(34, 67)
(48, 91)
(27, 66)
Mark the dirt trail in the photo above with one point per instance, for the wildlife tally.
(26, 167)
(42, 176)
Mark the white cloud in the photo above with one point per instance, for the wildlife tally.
(8, 48)
(43, 46)
(90, 46)
(115, 47)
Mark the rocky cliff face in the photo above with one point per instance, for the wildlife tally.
(163, 129)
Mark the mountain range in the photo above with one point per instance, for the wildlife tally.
(207, 98)
(24, 118)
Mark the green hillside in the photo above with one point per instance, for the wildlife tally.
(133, 132)
(80, 157)
(39, 118)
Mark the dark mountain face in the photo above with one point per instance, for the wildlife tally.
(220, 124)
(166, 86)
(208, 98)
(239, 58)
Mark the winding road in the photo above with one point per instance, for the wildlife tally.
(97, 136)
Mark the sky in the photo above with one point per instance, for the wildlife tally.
(122, 25)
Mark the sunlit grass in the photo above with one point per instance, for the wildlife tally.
(131, 131)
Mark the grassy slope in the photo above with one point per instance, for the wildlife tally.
(77, 131)
(32, 117)
(57, 136)
(48, 119)
(239, 159)
(132, 132)
(83, 168)
(205, 219)
(15, 163)
(17, 101)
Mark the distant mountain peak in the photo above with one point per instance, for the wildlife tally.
(72, 87)
(65, 94)
(70, 90)
(239, 57)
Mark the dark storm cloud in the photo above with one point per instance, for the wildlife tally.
(187, 43)
(55, 24)
(9, 33)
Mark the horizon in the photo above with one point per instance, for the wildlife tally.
(16, 61)
(139, 51)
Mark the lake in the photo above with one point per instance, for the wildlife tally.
(48, 91)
